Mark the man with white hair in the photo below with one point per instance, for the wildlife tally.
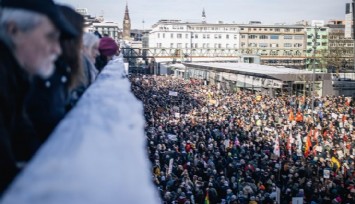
(29, 45)
(90, 51)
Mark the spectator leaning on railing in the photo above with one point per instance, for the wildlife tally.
(29, 45)
(90, 52)
(108, 48)
(48, 100)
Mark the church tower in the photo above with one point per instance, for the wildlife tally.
(203, 16)
(126, 25)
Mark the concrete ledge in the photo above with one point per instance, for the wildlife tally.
(97, 154)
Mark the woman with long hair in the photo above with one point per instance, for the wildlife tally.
(47, 101)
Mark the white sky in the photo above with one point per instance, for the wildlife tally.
(239, 11)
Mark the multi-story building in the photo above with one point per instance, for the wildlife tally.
(340, 56)
(276, 44)
(110, 29)
(185, 35)
(92, 24)
(317, 46)
(88, 19)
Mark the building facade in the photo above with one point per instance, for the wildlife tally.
(184, 35)
(276, 44)
(317, 47)
(109, 29)
(89, 20)
(340, 56)
(279, 45)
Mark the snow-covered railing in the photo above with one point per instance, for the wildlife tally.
(96, 154)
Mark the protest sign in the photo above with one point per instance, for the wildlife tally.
(297, 200)
(173, 93)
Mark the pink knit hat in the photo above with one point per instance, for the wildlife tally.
(108, 46)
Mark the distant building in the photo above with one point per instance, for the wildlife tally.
(93, 24)
(348, 20)
(321, 46)
(88, 19)
(126, 25)
(109, 29)
(302, 22)
(279, 45)
(341, 49)
(177, 34)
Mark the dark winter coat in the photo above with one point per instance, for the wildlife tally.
(17, 138)
(47, 101)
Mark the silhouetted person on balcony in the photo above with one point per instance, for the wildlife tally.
(48, 99)
(108, 49)
(90, 52)
(29, 45)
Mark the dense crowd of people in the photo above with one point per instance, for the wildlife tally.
(206, 145)
(218, 146)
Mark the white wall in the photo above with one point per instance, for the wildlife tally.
(161, 36)
(97, 154)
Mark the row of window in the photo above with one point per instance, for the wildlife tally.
(196, 36)
(318, 44)
(321, 29)
(341, 44)
(212, 28)
(109, 33)
(273, 37)
(228, 36)
(339, 37)
(228, 46)
(271, 45)
(236, 28)
(318, 37)
(282, 61)
(262, 52)
(276, 52)
(197, 45)
(274, 29)
(106, 29)
(198, 28)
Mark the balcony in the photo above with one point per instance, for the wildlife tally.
(97, 154)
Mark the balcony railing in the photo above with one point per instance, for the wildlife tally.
(97, 154)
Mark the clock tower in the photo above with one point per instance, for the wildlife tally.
(126, 25)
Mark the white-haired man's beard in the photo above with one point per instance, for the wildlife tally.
(47, 70)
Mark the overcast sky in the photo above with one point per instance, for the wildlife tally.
(239, 11)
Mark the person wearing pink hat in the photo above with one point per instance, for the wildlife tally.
(108, 48)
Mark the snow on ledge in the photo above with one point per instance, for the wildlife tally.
(97, 154)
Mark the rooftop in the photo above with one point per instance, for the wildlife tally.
(252, 68)
(222, 23)
(264, 71)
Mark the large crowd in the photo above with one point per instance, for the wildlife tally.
(206, 145)
(218, 146)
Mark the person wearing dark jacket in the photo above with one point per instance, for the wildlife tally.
(48, 100)
(29, 44)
